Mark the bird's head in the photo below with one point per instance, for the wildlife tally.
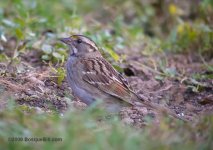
(80, 45)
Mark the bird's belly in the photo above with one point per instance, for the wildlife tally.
(75, 85)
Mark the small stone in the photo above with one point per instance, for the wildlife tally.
(134, 116)
(29, 92)
(138, 120)
(123, 114)
(129, 111)
(128, 121)
(143, 110)
(134, 111)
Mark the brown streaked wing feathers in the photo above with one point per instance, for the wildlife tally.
(107, 80)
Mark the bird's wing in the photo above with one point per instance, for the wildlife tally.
(99, 73)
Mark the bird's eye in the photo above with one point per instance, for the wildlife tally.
(79, 41)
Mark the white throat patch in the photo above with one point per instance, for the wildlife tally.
(75, 50)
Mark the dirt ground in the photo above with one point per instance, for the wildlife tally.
(33, 83)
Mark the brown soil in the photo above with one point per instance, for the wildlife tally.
(33, 83)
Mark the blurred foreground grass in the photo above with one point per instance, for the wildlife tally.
(89, 130)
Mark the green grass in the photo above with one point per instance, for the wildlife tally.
(30, 20)
(89, 130)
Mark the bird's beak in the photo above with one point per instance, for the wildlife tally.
(65, 40)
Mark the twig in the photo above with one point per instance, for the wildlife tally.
(161, 90)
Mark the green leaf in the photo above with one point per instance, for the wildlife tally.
(45, 57)
(170, 72)
(113, 54)
(58, 56)
(158, 77)
(61, 75)
(19, 33)
(9, 23)
(46, 48)
(3, 57)
(3, 37)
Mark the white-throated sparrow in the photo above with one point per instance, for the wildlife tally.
(92, 78)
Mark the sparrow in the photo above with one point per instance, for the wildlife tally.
(92, 78)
